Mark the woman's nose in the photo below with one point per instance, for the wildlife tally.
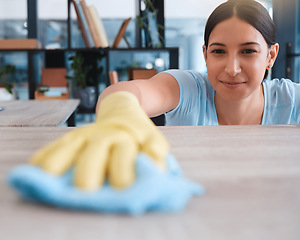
(232, 66)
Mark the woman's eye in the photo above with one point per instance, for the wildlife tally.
(248, 51)
(218, 51)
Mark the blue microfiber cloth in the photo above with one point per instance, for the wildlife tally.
(153, 190)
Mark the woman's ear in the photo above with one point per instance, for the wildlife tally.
(273, 52)
(204, 52)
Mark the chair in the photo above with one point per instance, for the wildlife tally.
(53, 79)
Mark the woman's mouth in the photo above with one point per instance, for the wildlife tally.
(232, 85)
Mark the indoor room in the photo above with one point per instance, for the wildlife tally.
(150, 119)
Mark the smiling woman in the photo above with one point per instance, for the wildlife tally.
(239, 49)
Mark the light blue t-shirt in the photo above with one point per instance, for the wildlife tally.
(196, 104)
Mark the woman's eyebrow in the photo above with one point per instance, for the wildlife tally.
(217, 44)
(242, 44)
(250, 43)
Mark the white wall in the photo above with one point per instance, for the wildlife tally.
(126, 8)
(57, 9)
(190, 8)
(13, 9)
(106, 8)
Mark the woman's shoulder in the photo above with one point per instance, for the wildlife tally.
(282, 101)
(188, 74)
(282, 91)
(280, 82)
(185, 72)
(281, 86)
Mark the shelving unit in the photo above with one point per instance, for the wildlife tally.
(57, 57)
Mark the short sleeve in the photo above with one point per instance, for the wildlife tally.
(195, 105)
(282, 102)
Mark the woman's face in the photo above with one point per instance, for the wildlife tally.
(237, 57)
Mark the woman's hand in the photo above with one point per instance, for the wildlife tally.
(106, 148)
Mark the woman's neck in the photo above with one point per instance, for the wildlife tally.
(247, 111)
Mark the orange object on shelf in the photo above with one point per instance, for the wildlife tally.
(55, 79)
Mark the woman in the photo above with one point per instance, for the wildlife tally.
(240, 48)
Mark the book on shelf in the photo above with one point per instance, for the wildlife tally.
(99, 26)
(26, 43)
(83, 24)
(121, 33)
(91, 24)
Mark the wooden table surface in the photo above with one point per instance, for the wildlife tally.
(251, 175)
(36, 113)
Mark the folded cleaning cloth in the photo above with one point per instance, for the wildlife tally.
(153, 189)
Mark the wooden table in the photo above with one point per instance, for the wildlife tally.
(251, 175)
(37, 113)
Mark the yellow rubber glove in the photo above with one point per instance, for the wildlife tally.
(106, 148)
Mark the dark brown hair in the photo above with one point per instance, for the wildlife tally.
(248, 10)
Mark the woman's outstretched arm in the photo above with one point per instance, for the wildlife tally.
(156, 95)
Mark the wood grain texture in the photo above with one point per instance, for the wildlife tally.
(251, 175)
(36, 113)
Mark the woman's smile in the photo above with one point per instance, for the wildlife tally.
(232, 85)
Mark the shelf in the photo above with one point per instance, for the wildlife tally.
(57, 57)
